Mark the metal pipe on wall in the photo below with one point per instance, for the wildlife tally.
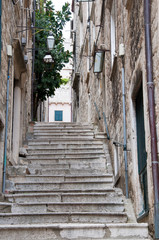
(6, 131)
(33, 60)
(124, 126)
(0, 29)
(89, 26)
(151, 104)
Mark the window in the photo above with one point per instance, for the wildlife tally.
(58, 115)
(113, 33)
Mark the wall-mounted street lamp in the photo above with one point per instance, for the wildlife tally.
(48, 58)
(85, 0)
(50, 46)
(99, 60)
(50, 41)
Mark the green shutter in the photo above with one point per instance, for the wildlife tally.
(141, 149)
(58, 115)
(142, 155)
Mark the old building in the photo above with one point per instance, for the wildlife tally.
(60, 104)
(112, 82)
(15, 78)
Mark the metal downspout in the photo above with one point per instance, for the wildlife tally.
(0, 30)
(6, 131)
(33, 61)
(151, 104)
(124, 126)
(89, 28)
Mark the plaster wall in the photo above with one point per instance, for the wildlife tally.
(61, 101)
(65, 107)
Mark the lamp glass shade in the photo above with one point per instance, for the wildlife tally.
(50, 42)
(98, 61)
(48, 59)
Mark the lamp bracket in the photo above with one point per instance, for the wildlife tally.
(102, 48)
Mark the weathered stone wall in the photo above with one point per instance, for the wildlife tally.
(14, 23)
(106, 88)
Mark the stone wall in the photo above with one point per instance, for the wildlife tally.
(15, 20)
(105, 88)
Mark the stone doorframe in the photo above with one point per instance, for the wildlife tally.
(138, 79)
(19, 69)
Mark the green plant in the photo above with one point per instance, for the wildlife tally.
(47, 76)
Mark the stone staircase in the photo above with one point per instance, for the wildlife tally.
(65, 190)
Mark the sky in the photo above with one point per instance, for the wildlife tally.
(59, 3)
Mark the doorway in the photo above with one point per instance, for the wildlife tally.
(141, 149)
(16, 120)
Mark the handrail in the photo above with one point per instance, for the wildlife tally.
(97, 111)
(106, 126)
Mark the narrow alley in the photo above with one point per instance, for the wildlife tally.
(79, 119)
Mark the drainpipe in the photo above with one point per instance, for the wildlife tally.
(33, 61)
(89, 27)
(121, 54)
(124, 126)
(6, 131)
(0, 27)
(151, 104)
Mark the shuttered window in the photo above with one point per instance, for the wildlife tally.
(58, 115)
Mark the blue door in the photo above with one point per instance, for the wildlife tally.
(58, 115)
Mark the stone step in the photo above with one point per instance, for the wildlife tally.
(81, 151)
(71, 165)
(74, 231)
(76, 190)
(64, 131)
(23, 170)
(65, 171)
(62, 124)
(106, 197)
(62, 217)
(68, 155)
(65, 147)
(48, 178)
(63, 134)
(67, 161)
(5, 207)
(70, 207)
(78, 142)
(90, 185)
(64, 137)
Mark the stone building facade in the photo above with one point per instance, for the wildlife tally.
(16, 66)
(116, 28)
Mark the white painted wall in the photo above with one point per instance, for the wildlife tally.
(61, 101)
(66, 108)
